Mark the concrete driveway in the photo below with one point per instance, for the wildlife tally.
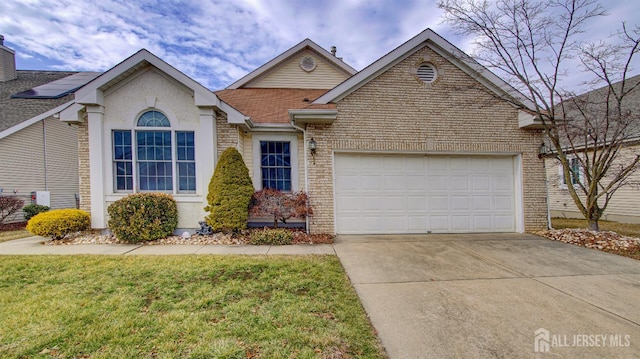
(494, 296)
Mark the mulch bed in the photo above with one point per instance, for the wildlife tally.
(12, 226)
(299, 237)
(603, 240)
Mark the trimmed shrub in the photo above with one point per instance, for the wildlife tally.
(271, 236)
(58, 223)
(143, 217)
(8, 206)
(31, 210)
(229, 194)
(279, 205)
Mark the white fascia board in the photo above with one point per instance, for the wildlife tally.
(91, 94)
(70, 114)
(285, 55)
(24, 124)
(235, 117)
(320, 116)
(529, 121)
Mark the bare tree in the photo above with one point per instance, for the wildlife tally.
(536, 46)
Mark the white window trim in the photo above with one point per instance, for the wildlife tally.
(561, 179)
(133, 123)
(257, 171)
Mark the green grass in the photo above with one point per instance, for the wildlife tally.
(625, 229)
(11, 235)
(180, 307)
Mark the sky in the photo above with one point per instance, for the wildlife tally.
(216, 42)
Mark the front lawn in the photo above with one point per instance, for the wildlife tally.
(11, 235)
(181, 307)
(11, 231)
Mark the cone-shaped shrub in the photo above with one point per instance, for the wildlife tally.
(230, 192)
(143, 217)
(58, 223)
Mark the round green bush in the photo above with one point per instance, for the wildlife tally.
(143, 217)
(230, 192)
(58, 223)
(31, 210)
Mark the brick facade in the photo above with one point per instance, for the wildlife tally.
(398, 113)
(83, 166)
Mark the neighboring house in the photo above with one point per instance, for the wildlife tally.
(37, 151)
(624, 205)
(417, 142)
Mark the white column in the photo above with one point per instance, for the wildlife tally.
(206, 149)
(95, 115)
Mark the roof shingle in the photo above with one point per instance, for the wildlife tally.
(15, 110)
(271, 106)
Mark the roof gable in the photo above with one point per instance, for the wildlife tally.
(438, 44)
(287, 70)
(92, 93)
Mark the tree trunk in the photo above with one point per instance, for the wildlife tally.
(593, 225)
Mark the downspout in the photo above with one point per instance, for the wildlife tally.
(306, 166)
(44, 140)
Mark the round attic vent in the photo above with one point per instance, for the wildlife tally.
(308, 63)
(427, 73)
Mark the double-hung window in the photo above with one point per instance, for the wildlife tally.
(575, 172)
(275, 164)
(158, 152)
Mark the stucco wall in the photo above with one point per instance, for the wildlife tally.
(397, 113)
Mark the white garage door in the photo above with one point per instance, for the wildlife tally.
(423, 194)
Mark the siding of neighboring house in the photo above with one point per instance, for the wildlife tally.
(624, 206)
(397, 113)
(291, 75)
(23, 163)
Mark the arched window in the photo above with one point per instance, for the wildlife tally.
(153, 119)
(159, 153)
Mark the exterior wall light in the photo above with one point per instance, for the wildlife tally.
(312, 148)
(542, 150)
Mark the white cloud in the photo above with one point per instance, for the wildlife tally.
(217, 42)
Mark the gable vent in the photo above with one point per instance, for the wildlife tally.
(427, 73)
(308, 63)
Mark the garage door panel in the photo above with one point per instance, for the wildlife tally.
(439, 223)
(503, 183)
(417, 203)
(461, 223)
(372, 203)
(416, 182)
(482, 223)
(459, 183)
(395, 183)
(438, 183)
(348, 203)
(460, 203)
(480, 183)
(503, 203)
(395, 203)
(417, 224)
(439, 203)
(347, 183)
(482, 203)
(420, 194)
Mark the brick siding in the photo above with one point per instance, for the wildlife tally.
(396, 112)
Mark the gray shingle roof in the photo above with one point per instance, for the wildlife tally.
(15, 110)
